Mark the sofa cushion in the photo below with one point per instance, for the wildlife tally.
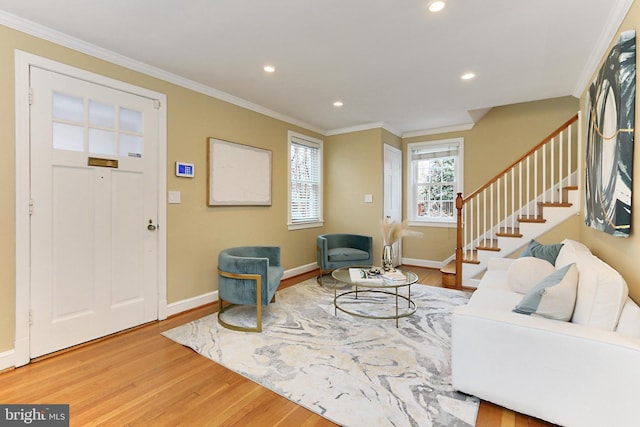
(554, 297)
(495, 279)
(570, 252)
(494, 299)
(602, 293)
(347, 254)
(538, 250)
(629, 321)
(524, 273)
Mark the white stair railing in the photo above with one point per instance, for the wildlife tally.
(518, 193)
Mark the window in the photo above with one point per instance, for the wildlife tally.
(305, 182)
(434, 179)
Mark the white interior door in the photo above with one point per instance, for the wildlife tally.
(393, 191)
(94, 190)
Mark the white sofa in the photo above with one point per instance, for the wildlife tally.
(582, 372)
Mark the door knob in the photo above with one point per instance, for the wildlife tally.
(151, 227)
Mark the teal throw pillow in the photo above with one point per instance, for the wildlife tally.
(546, 252)
(554, 296)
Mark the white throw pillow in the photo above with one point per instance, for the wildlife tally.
(570, 252)
(554, 297)
(602, 293)
(524, 273)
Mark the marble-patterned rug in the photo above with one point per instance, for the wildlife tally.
(351, 370)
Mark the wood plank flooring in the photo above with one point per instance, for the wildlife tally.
(140, 378)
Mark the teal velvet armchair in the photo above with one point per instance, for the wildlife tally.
(248, 275)
(342, 250)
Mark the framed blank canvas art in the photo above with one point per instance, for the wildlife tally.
(238, 174)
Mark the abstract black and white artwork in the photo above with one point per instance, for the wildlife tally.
(610, 111)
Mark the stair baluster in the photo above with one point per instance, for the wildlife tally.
(487, 218)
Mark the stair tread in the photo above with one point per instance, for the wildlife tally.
(556, 204)
(488, 245)
(450, 268)
(509, 232)
(531, 218)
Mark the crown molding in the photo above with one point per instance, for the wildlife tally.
(378, 125)
(391, 129)
(435, 131)
(607, 34)
(365, 126)
(57, 37)
(357, 128)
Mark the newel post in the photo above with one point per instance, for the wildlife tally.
(459, 203)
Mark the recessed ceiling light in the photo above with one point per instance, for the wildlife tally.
(436, 6)
(338, 104)
(269, 68)
(468, 76)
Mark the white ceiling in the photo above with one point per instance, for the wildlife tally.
(391, 62)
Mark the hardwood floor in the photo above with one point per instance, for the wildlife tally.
(140, 378)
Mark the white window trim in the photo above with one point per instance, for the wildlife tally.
(315, 143)
(452, 223)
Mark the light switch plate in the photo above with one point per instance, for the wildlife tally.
(174, 197)
(368, 198)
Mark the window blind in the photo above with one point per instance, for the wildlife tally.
(305, 182)
(434, 152)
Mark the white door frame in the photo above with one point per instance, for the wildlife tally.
(23, 61)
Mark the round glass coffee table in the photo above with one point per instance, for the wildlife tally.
(367, 286)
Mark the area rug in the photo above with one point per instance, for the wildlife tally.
(351, 370)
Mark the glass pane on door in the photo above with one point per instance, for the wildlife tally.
(130, 145)
(102, 142)
(66, 107)
(68, 137)
(102, 115)
(131, 120)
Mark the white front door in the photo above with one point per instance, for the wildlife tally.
(393, 191)
(94, 196)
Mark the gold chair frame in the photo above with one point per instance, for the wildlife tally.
(222, 309)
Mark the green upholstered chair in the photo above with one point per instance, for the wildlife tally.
(342, 250)
(248, 275)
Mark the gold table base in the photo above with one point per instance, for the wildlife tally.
(375, 288)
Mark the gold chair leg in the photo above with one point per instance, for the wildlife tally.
(258, 279)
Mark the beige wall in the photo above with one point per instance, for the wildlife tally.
(353, 165)
(195, 232)
(497, 140)
(622, 253)
(7, 206)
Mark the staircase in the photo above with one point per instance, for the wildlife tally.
(534, 194)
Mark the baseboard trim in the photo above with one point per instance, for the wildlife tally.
(425, 263)
(300, 270)
(211, 297)
(191, 303)
(7, 360)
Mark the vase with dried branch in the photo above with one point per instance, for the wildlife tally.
(392, 232)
